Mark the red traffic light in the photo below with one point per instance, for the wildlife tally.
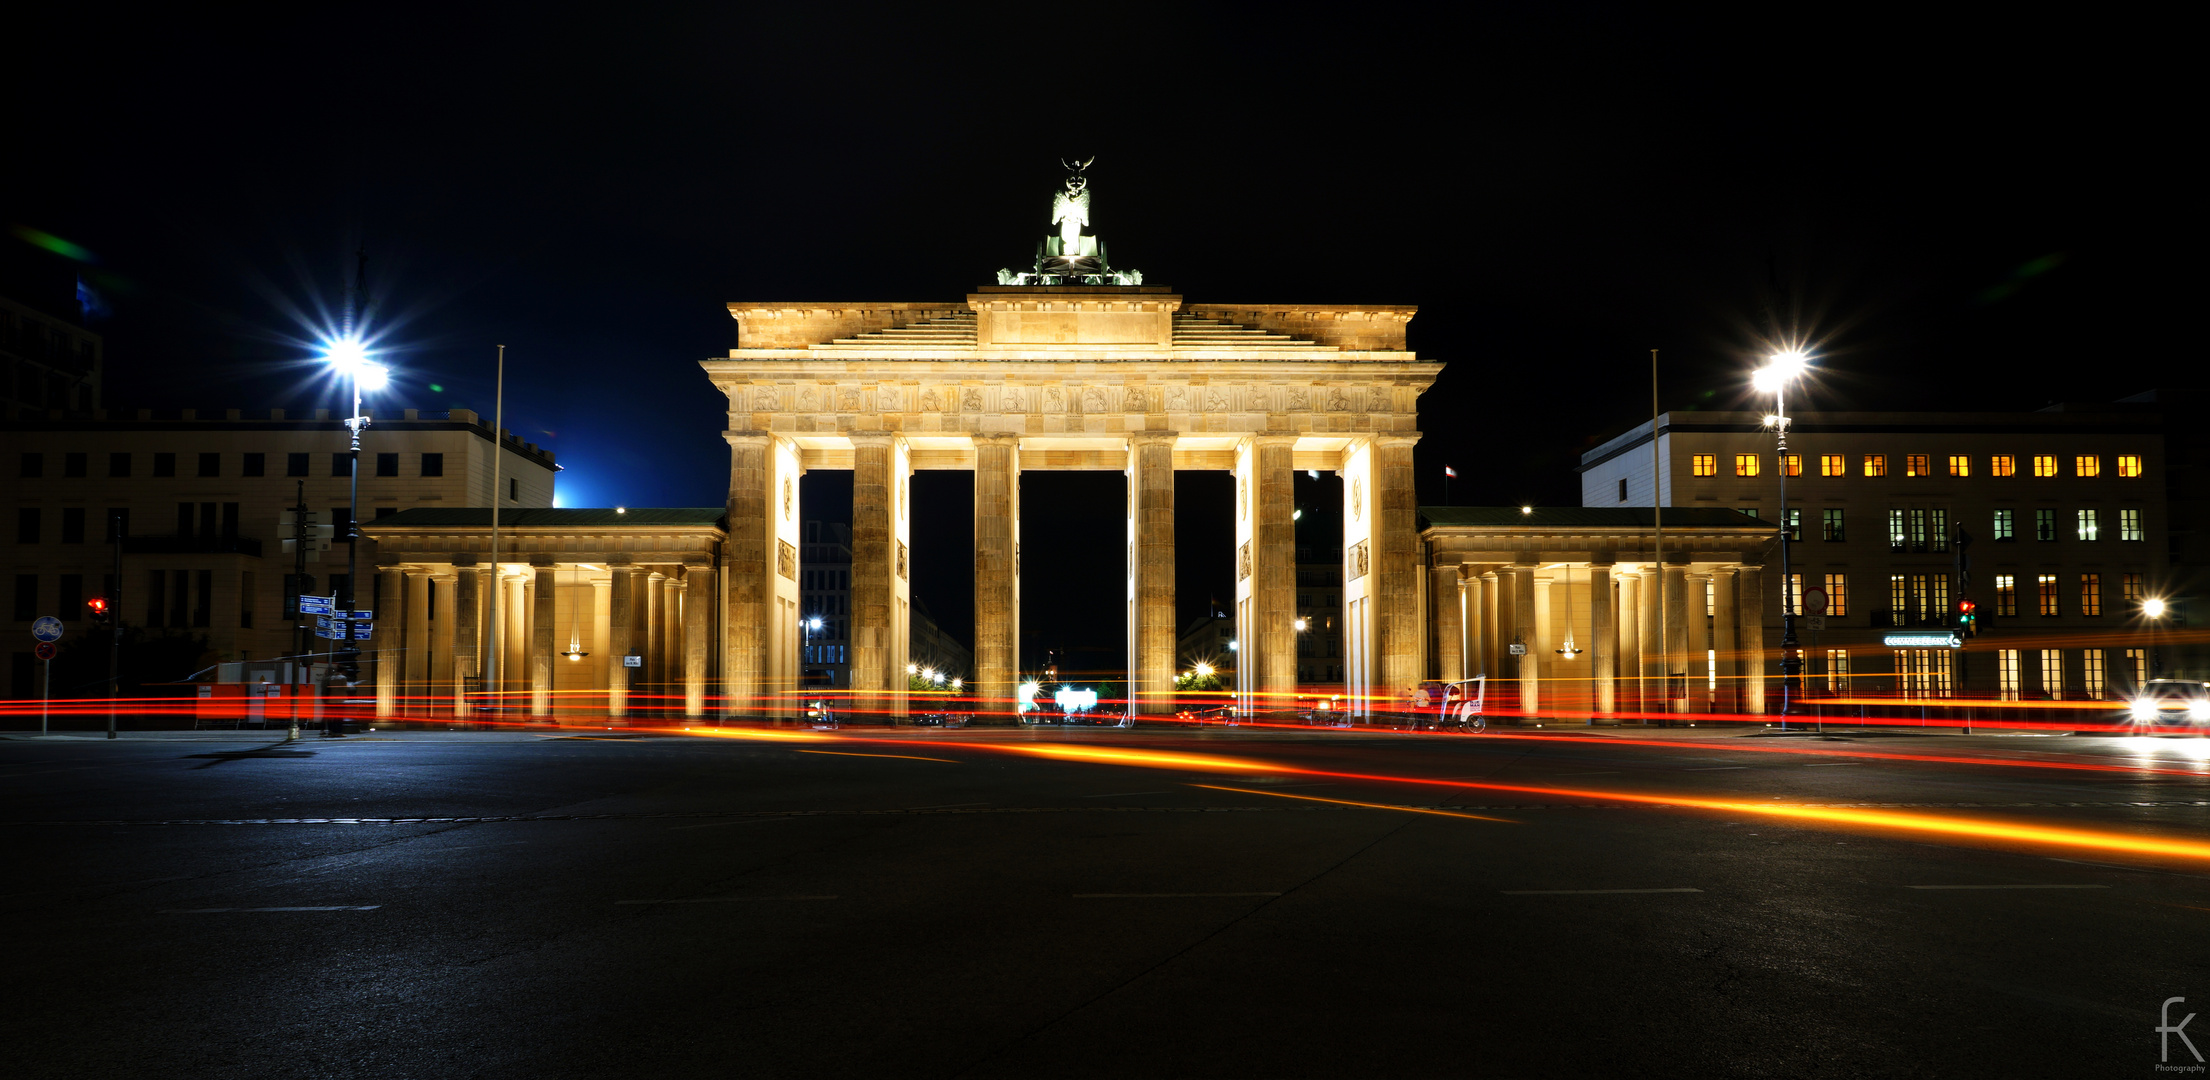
(97, 606)
(1966, 607)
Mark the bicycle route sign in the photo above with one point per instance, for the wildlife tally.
(47, 628)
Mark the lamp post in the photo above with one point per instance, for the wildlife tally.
(350, 358)
(2153, 610)
(1775, 376)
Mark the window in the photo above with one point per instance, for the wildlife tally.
(164, 464)
(26, 599)
(2005, 525)
(2137, 665)
(2046, 586)
(1745, 464)
(2129, 588)
(1924, 673)
(1876, 465)
(2129, 465)
(1791, 598)
(72, 524)
(1916, 465)
(72, 596)
(1960, 465)
(2009, 686)
(1703, 465)
(1937, 526)
(2052, 674)
(2045, 524)
(156, 597)
(1794, 524)
(1837, 671)
(387, 464)
(341, 465)
(26, 525)
(118, 464)
(2091, 594)
(73, 464)
(1837, 594)
(513, 489)
(2002, 465)
(1830, 524)
(1832, 465)
(434, 465)
(1791, 465)
(2045, 464)
(2090, 524)
(32, 467)
(2087, 465)
(2006, 594)
(1899, 537)
(1899, 599)
(211, 464)
(2129, 524)
(295, 464)
(254, 465)
(245, 600)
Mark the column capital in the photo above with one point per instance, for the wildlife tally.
(462, 558)
(1272, 440)
(884, 439)
(541, 562)
(995, 440)
(1152, 438)
(1396, 438)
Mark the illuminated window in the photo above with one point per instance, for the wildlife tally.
(1704, 465)
(1917, 529)
(1837, 671)
(1837, 594)
(2006, 594)
(1960, 465)
(1791, 600)
(1832, 465)
(2129, 587)
(2092, 672)
(2129, 524)
(1794, 524)
(1936, 596)
(2137, 664)
(1899, 538)
(2087, 465)
(1938, 529)
(2008, 683)
(1899, 599)
(1924, 673)
(2045, 524)
(2090, 524)
(2002, 465)
(2046, 586)
(1745, 464)
(2052, 674)
(1830, 524)
(2091, 594)
(1791, 464)
(1916, 465)
(2045, 464)
(2129, 465)
(2006, 525)
(1876, 465)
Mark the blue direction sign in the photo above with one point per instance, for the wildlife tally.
(47, 628)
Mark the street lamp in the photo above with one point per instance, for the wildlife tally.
(2153, 610)
(349, 357)
(1778, 372)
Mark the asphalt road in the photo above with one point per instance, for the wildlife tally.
(957, 904)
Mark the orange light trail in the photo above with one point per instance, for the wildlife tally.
(904, 757)
(1365, 805)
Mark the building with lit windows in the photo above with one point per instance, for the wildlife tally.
(2064, 511)
(48, 364)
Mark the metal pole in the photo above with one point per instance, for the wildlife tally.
(1790, 662)
(498, 587)
(46, 703)
(348, 657)
(1657, 533)
(115, 624)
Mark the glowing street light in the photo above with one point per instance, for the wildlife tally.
(349, 356)
(2153, 608)
(1301, 625)
(1780, 369)
(1203, 670)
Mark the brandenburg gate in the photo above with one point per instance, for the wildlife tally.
(1109, 377)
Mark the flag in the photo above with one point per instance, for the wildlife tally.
(1450, 472)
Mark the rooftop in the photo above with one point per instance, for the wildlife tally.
(479, 517)
(1587, 517)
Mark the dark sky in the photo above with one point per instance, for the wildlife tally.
(1955, 212)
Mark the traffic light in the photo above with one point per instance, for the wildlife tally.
(97, 608)
(1968, 617)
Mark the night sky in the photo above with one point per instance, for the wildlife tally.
(1969, 214)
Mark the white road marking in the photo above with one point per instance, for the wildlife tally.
(1588, 892)
(1160, 895)
(2006, 886)
(723, 899)
(223, 910)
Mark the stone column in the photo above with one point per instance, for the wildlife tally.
(416, 696)
(757, 516)
(997, 576)
(1396, 540)
(1675, 577)
(1699, 642)
(1726, 640)
(1749, 607)
(671, 636)
(698, 607)
(1492, 628)
(651, 633)
(1603, 650)
(467, 628)
(620, 635)
(1472, 603)
(874, 574)
(601, 661)
(1527, 666)
(1274, 572)
(1629, 664)
(1450, 599)
(444, 647)
(389, 644)
(543, 615)
(514, 674)
(1151, 573)
(1654, 643)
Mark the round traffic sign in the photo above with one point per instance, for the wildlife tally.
(45, 650)
(1814, 601)
(47, 628)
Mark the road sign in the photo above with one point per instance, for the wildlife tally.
(633, 660)
(316, 605)
(1518, 649)
(45, 650)
(1943, 640)
(47, 628)
(1814, 623)
(363, 631)
(1814, 601)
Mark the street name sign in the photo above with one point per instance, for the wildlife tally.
(1923, 641)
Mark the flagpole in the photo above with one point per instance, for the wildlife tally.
(1657, 534)
(498, 581)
